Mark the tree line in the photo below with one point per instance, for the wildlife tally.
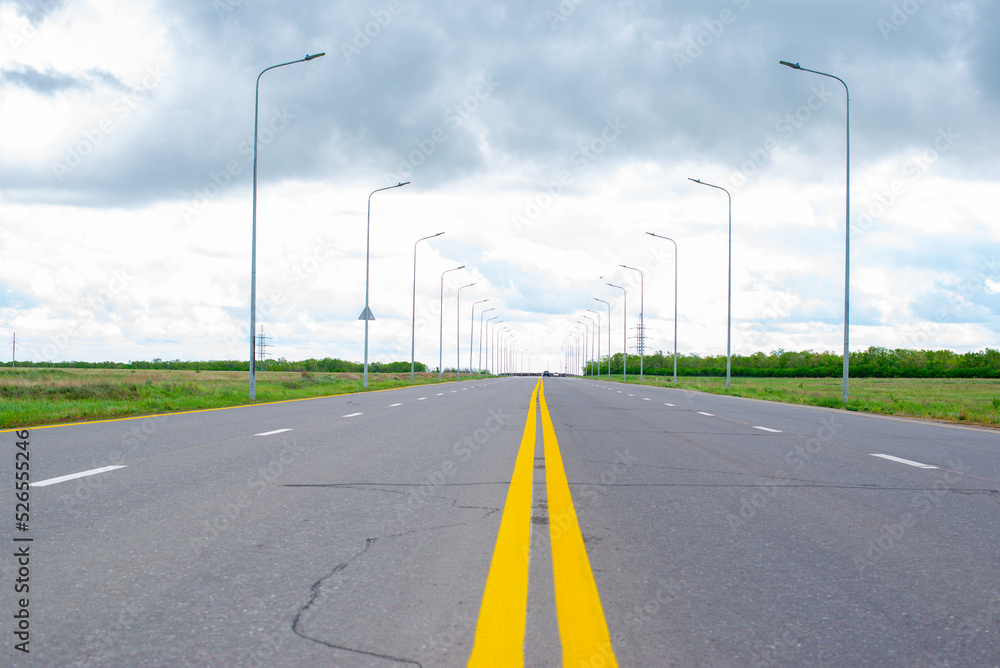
(875, 362)
(326, 364)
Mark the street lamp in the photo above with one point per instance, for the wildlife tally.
(658, 236)
(458, 332)
(642, 326)
(497, 357)
(847, 230)
(488, 348)
(367, 314)
(472, 331)
(609, 333)
(625, 326)
(583, 356)
(598, 340)
(729, 312)
(413, 326)
(592, 329)
(441, 324)
(253, 232)
(481, 316)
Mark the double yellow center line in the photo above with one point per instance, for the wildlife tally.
(503, 615)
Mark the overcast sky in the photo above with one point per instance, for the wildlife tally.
(543, 138)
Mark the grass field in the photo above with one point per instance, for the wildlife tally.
(30, 397)
(960, 400)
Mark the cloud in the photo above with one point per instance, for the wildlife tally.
(52, 82)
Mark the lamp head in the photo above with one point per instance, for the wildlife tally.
(794, 66)
(315, 55)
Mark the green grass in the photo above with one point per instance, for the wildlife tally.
(30, 397)
(960, 400)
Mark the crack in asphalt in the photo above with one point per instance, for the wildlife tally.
(316, 589)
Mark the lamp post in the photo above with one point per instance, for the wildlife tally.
(458, 332)
(598, 340)
(625, 332)
(496, 370)
(592, 326)
(642, 308)
(488, 348)
(847, 226)
(253, 229)
(496, 341)
(472, 331)
(658, 236)
(413, 325)
(729, 312)
(441, 325)
(481, 316)
(609, 333)
(583, 356)
(367, 314)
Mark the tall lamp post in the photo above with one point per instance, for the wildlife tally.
(367, 314)
(413, 325)
(642, 308)
(625, 332)
(472, 331)
(441, 325)
(658, 236)
(481, 316)
(458, 332)
(609, 333)
(583, 356)
(592, 337)
(847, 227)
(489, 349)
(729, 299)
(253, 230)
(598, 340)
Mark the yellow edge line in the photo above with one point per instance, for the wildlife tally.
(220, 408)
(504, 612)
(582, 626)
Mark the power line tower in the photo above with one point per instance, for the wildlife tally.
(262, 346)
(641, 334)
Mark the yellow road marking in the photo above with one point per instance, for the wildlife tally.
(582, 627)
(504, 612)
(583, 630)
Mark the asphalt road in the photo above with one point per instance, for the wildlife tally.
(719, 532)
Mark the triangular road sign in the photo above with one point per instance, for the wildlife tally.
(366, 314)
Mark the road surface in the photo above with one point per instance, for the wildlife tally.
(363, 530)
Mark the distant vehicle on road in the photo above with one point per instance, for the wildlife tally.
(545, 373)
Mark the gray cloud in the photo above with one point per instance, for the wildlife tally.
(691, 81)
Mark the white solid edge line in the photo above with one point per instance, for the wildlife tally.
(74, 476)
(269, 433)
(352, 415)
(905, 461)
(773, 431)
